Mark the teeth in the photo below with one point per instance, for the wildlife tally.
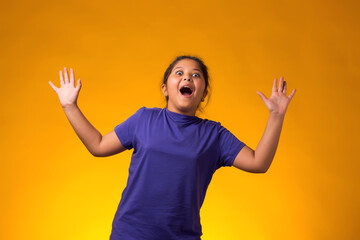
(187, 87)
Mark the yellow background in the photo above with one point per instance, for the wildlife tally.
(53, 188)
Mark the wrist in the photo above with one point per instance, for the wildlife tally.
(277, 115)
(69, 106)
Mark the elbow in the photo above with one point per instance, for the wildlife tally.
(259, 171)
(262, 166)
(98, 155)
(95, 153)
(263, 170)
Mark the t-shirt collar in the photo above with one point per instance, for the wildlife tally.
(178, 117)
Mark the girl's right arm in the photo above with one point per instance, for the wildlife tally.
(98, 145)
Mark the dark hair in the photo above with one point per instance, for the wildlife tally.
(203, 68)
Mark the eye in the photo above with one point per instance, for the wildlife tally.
(197, 75)
(177, 72)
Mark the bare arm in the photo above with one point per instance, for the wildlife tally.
(97, 145)
(259, 161)
(109, 145)
(87, 133)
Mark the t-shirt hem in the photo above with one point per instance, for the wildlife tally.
(122, 141)
(237, 152)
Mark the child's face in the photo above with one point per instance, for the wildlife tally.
(185, 72)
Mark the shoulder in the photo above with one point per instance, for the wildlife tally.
(210, 124)
(216, 127)
(150, 110)
(146, 112)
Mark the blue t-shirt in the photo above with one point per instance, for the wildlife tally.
(174, 159)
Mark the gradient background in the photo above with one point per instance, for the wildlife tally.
(53, 188)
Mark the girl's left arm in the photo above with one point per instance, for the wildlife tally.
(260, 159)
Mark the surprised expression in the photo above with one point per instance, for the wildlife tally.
(185, 87)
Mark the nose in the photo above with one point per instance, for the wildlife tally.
(187, 78)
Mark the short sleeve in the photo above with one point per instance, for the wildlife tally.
(229, 147)
(125, 131)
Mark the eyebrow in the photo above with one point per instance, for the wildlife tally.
(193, 69)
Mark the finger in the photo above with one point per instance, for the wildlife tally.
(285, 88)
(274, 85)
(281, 84)
(263, 97)
(53, 86)
(292, 94)
(66, 75)
(72, 77)
(78, 86)
(61, 78)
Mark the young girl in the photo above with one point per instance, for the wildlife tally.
(175, 152)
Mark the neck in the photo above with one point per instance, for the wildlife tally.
(189, 113)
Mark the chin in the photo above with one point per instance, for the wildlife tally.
(187, 108)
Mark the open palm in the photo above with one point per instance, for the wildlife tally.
(67, 93)
(278, 102)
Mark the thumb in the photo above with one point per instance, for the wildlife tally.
(262, 96)
(53, 86)
(78, 86)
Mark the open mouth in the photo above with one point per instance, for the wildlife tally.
(186, 91)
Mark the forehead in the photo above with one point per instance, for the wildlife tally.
(187, 63)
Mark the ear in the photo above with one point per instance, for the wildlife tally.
(205, 94)
(164, 90)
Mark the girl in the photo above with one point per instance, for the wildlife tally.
(175, 152)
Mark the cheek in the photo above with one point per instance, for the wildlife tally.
(172, 87)
(201, 87)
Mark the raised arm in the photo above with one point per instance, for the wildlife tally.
(259, 161)
(109, 145)
(97, 145)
